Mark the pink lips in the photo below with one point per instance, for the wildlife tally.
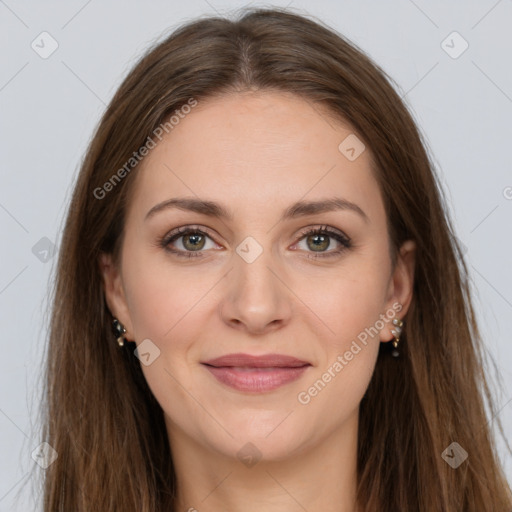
(256, 373)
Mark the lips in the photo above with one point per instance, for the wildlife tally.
(256, 374)
(248, 361)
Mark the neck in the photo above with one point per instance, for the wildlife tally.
(319, 477)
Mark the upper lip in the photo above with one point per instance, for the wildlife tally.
(264, 361)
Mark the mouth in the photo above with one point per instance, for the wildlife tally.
(256, 374)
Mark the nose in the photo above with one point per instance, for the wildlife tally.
(256, 299)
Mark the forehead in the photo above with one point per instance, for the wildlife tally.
(258, 150)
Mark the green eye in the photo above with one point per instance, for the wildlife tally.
(194, 241)
(318, 240)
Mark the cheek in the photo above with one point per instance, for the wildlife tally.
(345, 304)
(169, 307)
(159, 297)
(349, 350)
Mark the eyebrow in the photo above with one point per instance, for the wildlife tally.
(298, 209)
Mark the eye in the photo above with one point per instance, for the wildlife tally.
(191, 242)
(318, 240)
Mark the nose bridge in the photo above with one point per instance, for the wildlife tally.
(252, 270)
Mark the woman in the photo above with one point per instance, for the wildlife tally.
(259, 221)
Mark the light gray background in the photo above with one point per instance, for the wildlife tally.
(49, 108)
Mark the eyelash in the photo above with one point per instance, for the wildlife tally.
(166, 240)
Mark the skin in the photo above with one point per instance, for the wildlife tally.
(257, 153)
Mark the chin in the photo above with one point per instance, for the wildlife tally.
(271, 443)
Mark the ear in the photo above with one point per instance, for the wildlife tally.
(401, 286)
(114, 293)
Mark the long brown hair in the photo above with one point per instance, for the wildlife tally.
(99, 414)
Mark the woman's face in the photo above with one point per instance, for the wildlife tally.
(254, 282)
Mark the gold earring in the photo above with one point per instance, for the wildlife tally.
(119, 330)
(396, 333)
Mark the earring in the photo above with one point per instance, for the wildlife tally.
(396, 333)
(119, 330)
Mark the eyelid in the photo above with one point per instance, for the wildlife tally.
(324, 228)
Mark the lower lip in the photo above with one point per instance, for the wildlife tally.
(256, 379)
